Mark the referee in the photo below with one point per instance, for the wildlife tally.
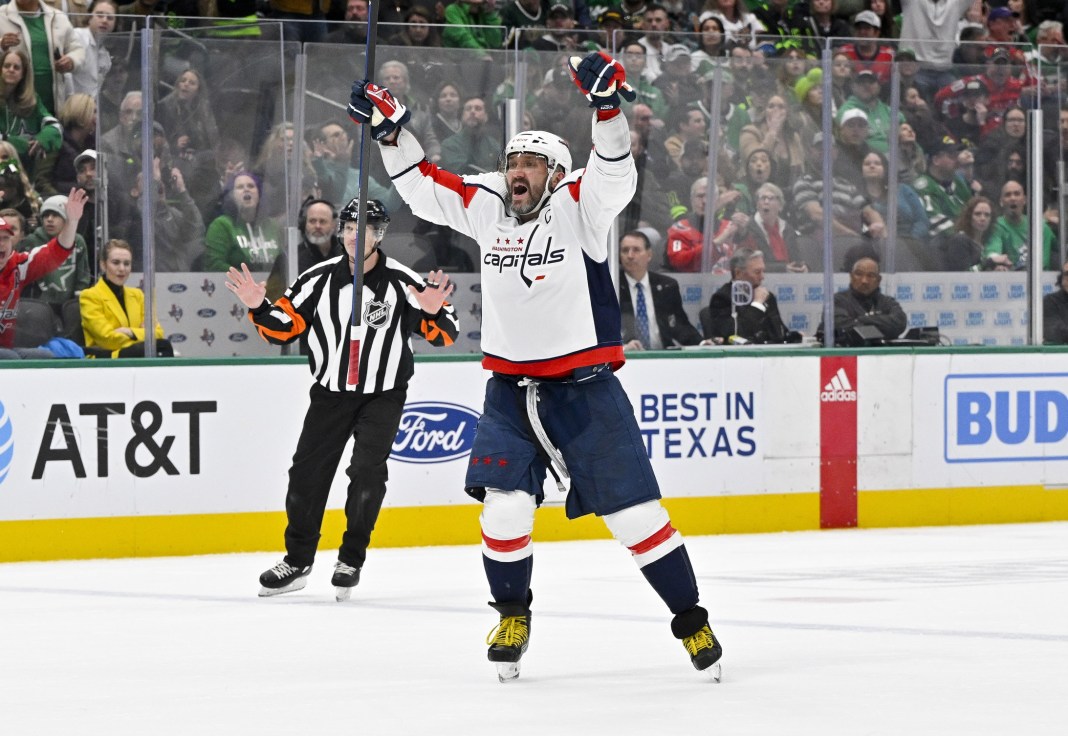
(396, 303)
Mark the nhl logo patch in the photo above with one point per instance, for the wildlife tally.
(376, 315)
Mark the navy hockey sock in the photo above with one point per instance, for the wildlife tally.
(509, 581)
(673, 580)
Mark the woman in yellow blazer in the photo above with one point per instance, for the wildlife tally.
(113, 314)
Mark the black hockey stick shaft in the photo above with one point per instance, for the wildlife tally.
(361, 229)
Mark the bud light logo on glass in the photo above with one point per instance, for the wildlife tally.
(434, 432)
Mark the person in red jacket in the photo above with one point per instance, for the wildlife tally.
(19, 269)
(685, 239)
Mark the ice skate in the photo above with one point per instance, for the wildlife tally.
(509, 639)
(346, 577)
(705, 652)
(283, 578)
(700, 643)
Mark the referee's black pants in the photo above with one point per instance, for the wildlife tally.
(332, 418)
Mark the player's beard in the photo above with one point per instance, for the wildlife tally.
(318, 239)
(534, 193)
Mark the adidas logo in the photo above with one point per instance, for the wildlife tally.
(839, 388)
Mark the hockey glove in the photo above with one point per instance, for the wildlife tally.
(376, 105)
(602, 79)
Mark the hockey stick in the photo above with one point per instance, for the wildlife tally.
(361, 229)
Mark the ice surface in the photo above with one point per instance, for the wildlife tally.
(945, 631)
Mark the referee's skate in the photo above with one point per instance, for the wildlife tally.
(345, 578)
(283, 578)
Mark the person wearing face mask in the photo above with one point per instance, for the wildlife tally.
(317, 308)
(551, 335)
(113, 314)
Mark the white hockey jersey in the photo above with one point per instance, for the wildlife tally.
(548, 301)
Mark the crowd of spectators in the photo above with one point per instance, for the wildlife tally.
(968, 72)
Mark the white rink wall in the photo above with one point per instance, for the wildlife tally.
(742, 440)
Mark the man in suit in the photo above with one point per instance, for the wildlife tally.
(653, 317)
(757, 322)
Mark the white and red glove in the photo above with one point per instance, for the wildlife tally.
(602, 79)
(376, 105)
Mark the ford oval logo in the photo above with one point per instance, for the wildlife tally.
(238, 337)
(177, 337)
(206, 313)
(177, 288)
(434, 432)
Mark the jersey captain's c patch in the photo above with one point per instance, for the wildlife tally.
(376, 314)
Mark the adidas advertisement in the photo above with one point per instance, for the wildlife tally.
(839, 388)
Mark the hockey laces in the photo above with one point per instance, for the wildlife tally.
(282, 569)
(701, 640)
(342, 569)
(510, 632)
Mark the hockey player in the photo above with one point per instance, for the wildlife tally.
(396, 303)
(551, 336)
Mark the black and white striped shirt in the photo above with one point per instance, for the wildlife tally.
(319, 303)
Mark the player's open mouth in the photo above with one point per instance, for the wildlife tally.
(518, 190)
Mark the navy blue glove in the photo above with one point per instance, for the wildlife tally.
(376, 105)
(602, 79)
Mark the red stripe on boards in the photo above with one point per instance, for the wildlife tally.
(654, 541)
(838, 441)
(506, 545)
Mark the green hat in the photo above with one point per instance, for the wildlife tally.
(804, 85)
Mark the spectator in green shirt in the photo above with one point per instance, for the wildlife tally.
(467, 21)
(1012, 230)
(24, 121)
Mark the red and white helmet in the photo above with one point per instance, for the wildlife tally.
(549, 146)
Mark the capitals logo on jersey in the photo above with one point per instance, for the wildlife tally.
(524, 254)
(376, 314)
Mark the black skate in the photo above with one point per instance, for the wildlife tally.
(509, 639)
(701, 644)
(346, 577)
(283, 578)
